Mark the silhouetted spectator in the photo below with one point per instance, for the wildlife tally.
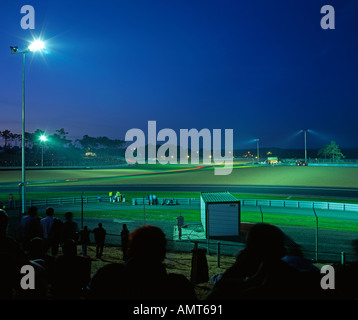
(259, 271)
(71, 272)
(30, 227)
(46, 224)
(84, 239)
(124, 241)
(99, 238)
(11, 201)
(43, 264)
(107, 283)
(180, 224)
(294, 257)
(12, 259)
(145, 274)
(55, 236)
(309, 276)
(37, 252)
(69, 228)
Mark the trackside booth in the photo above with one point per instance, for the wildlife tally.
(219, 214)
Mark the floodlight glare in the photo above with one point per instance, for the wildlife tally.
(43, 138)
(37, 45)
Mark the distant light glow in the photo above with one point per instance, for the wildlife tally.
(43, 138)
(37, 45)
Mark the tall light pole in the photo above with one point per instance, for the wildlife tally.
(305, 137)
(37, 45)
(43, 139)
(305, 145)
(258, 149)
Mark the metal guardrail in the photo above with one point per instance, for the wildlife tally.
(301, 204)
(67, 200)
(168, 201)
(192, 201)
(263, 202)
(58, 201)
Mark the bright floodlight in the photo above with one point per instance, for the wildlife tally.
(37, 45)
(43, 138)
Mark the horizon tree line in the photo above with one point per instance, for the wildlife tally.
(58, 144)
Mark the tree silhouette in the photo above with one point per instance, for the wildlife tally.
(6, 134)
(331, 151)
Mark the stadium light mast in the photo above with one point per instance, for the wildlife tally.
(305, 137)
(258, 149)
(43, 139)
(37, 45)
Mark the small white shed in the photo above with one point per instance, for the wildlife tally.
(220, 214)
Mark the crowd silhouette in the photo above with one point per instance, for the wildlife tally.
(264, 269)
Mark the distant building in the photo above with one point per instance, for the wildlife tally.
(272, 160)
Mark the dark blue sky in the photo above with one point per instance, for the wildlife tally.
(263, 68)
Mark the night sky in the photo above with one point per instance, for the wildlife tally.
(265, 69)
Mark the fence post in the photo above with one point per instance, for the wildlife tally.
(194, 267)
(82, 210)
(343, 258)
(143, 212)
(262, 215)
(314, 211)
(219, 254)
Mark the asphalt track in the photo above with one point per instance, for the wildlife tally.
(321, 192)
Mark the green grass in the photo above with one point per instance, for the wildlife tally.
(191, 215)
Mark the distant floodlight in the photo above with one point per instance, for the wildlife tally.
(43, 138)
(37, 45)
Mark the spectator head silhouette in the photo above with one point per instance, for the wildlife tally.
(266, 241)
(4, 219)
(68, 216)
(148, 242)
(50, 211)
(32, 211)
